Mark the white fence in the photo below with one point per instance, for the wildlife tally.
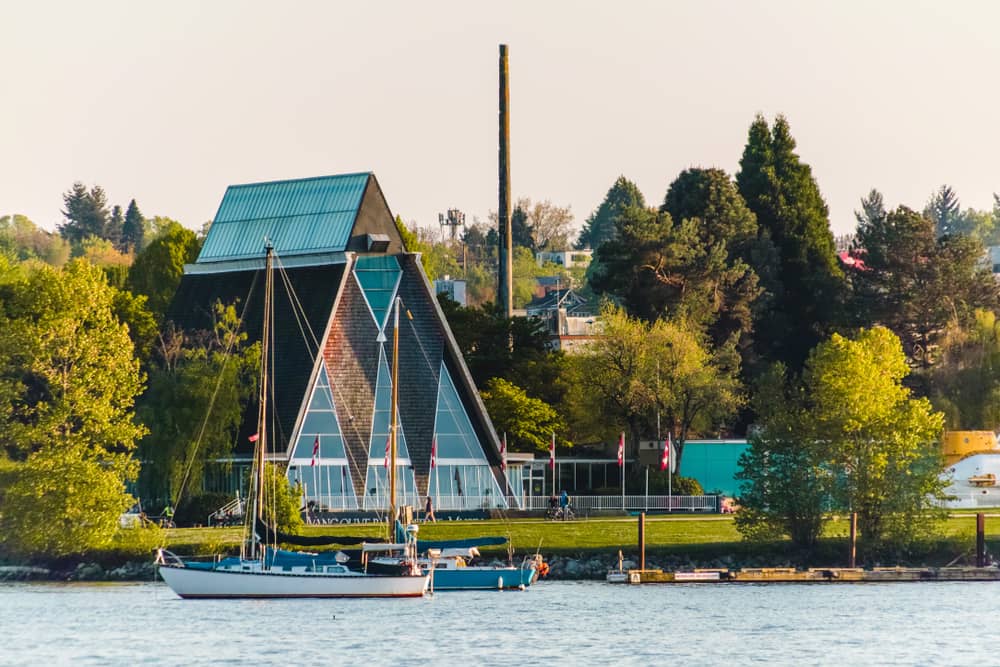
(580, 504)
(584, 504)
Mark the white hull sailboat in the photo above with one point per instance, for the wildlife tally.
(264, 571)
(196, 583)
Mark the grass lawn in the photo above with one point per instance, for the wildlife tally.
(696, 537)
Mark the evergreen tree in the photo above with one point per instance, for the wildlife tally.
(600, 226)
(916, 283)
(114, 227)
(520, 229)
(86, 213)
(133, 229)
(872, 209)
(945, 211)
(807, 290)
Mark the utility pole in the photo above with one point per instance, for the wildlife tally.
(505, 280)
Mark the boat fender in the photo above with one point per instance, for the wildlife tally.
(500, 583)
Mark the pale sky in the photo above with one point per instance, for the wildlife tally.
(170, 102)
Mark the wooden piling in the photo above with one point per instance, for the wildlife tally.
(980, 540)
(642, 540)
(854, 539)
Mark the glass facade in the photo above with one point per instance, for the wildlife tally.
(326, 477)
(377, 480)
(462, 478)
(378, 276)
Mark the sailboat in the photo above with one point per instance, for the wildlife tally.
(264, 571)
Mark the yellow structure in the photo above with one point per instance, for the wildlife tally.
(959, 444)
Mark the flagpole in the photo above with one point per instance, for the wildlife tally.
(647, 489)
(623, 472)
(670, 474)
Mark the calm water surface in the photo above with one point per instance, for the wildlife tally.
(554, 623)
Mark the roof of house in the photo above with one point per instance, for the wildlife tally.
(301, 216)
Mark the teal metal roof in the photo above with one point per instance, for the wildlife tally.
(299, 217)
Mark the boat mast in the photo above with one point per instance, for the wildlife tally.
(262, 400)
(392, 420)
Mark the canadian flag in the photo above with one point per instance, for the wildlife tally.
(254, 437)
(315, 451)
(552, 452)
(503, 453)
(621, 449)
(665, 459)
(434, 453)
(386, 464)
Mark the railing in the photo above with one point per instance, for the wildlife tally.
(631, 503)
(233, 510)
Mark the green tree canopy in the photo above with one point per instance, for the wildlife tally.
(601, 226)
(68, 376)
(133, 229)
(86, 213)
(25, 241)
(528, 422)
(807, 292)
(636, 368)
(850, 432)
(916, 283)
(157, 270)
(199, 385)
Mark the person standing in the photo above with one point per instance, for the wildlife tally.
(429, 511)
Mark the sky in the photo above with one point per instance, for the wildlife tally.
(169, 103)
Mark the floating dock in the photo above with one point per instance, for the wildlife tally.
(788, 575)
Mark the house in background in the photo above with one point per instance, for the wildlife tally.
(571, 320)
(342, 265)
(567, 258)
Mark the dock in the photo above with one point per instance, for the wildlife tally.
(787, 575)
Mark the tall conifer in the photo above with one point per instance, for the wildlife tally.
(808, 288)
(133, 229)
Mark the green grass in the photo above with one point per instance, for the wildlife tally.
(696, 538)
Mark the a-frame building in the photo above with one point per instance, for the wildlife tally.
(341, 265)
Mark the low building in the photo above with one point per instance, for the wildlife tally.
(567, 258)
(455, 289)
(570, 320)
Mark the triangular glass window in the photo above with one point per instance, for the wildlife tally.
(324, 479)
(456, 438)
(378, 276)
(377, 481)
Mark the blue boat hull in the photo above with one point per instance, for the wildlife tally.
(482, 578)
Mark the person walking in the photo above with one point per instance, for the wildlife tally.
(429, 511)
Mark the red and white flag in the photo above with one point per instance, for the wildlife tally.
(315, 452)
(386, 464)
(552, 452)
(503, 453)
(434, 453)
(254, 437)
(621, 449)
(665, 458)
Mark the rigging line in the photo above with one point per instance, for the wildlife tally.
(300, 317)
(215, 392)
(297, 307)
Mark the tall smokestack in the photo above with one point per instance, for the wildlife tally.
(505, 287)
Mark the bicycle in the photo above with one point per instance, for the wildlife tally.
(561, 514)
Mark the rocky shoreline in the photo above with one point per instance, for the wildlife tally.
(588, 567)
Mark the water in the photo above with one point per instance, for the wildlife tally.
(554, 623)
